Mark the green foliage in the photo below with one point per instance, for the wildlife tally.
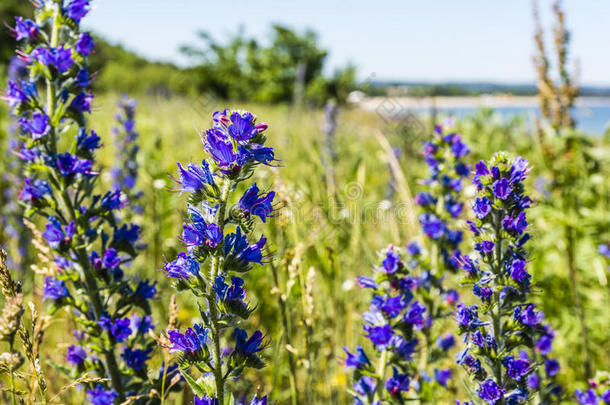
(288, 69)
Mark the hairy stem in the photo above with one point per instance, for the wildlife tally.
(381, 373)
(214, 313)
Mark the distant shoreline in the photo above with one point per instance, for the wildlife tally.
(389, 103)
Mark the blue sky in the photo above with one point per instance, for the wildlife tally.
(431, 40)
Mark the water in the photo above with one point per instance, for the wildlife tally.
(591, 119)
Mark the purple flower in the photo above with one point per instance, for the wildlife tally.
(185, 266)
(205, 400)
(60, 58)
(415, 315)
(356, 360)
(442, 376)
(120, 329)
(432, 226)
(485, 246)
(136, 358)
(218, 145)
(587, 397)
(551, 366)
(518, 272)
(34, 190)
(390, 262)
(25, 29)
(481, 207)
(518, 224)
(501, 189)
(533, 381)
(55, 234)
(82, 102)
(85, 44)
(54, 289)
(14, 95)
(76, 355)
(481, 169)
(191, 341)
(490, 391)
(528, 316)
(413, 249)
(194, 177)
(468, 317)
(545, 344)
(365, 386)
(242, 128)
(379, 335)
(101, 396)
(142, 325)
(77, 9)
(70, 164)
(425, 199)
(246, 346)
(113, 200)
(255, 204)
(38, 125)
(516, 368)
(397, 383)
(237, 245)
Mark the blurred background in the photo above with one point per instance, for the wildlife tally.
(350, 91)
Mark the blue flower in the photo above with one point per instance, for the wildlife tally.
(432, 226)
(365, 386)
(255, 204)
(54, 289)
(481, 207)
(35, 190)
(55, 233)
(60, 58)
(587, 397)
(77, 9)
(101, 396)
(391, 262)
(85, 44)
(185, 266)
(516, 367)
(38, 126)
(246, 346)
(82, 102)
(242, 128)
(518, 272)
(142, 325)
(356, 360)
(397, 383)
(135, 358)
(76, 355)
(25, 29)
(501, 188)
(551, 366)
(446, 341)
(415, 314)
(237, 245)
(70, 164)
(205, 400)
(528, 316)
(146, 289)
(120, 329)
(490, 391)
(191, 341)
(194, 177)
(442, 376)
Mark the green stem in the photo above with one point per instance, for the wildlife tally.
(294, 395)
(12, 379)
(214, 313)
(381, 373)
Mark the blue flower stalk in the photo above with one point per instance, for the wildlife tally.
(508, 347)
(125, 170)
(408, 295)
(91, 248)
(220, 247)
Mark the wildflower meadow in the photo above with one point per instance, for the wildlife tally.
(241, 231)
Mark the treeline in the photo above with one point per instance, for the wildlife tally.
(289, 69)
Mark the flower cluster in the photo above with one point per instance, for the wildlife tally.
(220, 248)
(598, 392)
(390, 325)
(409, 290)
(125, 170)
(441, 204)
(508, 345)
(90, 247)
